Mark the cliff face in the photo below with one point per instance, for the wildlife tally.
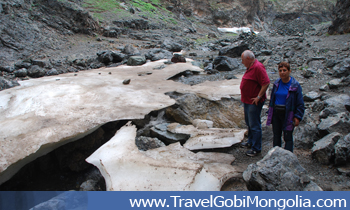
(257, 13)
(341, 23)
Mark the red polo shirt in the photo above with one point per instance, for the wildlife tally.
(253, 79)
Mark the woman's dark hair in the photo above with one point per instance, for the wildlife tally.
(284, 64)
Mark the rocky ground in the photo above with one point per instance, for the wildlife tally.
(314, 56)
(315, 44)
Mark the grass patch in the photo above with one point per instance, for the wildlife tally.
(203, 40)
(101, 5)
(143, 6)
(172, 20)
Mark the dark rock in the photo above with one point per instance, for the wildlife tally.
(177, 58)
(137, 24)
(234, 50)
(327, 112)
(52, 72)
(212, 35)
(311, 96)
(335, 83)
(136, 61)
(5, 84)
(295, 27)
(324, 87)
(105, 57)
(40, 63)
(130, 50)
(172, 46)
(323, 149)
(158, 54)
(209, 67)
(189, 107)
(305, 136)
(317, 106)
(331, 63)
(160, 132)
(224, 63)
(279, 170)
(20, 65)
(146, 143)
(342, 151)
(307, 73)
(8, 69)
(36, 71)
(126, 82)
(342, 69)
(338, 102)
(117, 56)
(341, 23)
(266, 52)
(21, 72)
(337, 123)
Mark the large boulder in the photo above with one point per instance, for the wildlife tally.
(4, 83)
(337, 123)
(279, 170)
(36, 71)
(158, 54)
(342, 151)
(234, 50)
(136, 60)
(323, 150)
(172, 46)
(341, 23)
(224, 63)
(305, 135)
(191, 106)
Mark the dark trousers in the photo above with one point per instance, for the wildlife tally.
(277, 128)
(252, 114)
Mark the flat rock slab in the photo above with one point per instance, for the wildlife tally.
(208, 138)
(45, 113)
(170, 168)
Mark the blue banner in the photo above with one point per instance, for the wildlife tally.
(102, 200)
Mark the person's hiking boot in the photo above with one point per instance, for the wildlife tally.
(252, 153)
(246, 145)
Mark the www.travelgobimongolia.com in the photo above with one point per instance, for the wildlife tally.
(238, 202)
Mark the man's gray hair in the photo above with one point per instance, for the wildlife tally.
(248, 54)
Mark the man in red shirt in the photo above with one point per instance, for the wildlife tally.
(253, 87)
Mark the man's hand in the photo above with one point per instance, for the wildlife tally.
(296, 121)
(256, 100)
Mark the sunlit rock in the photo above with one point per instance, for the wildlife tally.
(170, 168)
(45, 113)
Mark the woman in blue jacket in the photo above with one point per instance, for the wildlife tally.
(286, 107)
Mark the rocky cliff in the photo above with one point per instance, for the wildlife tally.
(259, 14)
(341, 23)
(31, 27)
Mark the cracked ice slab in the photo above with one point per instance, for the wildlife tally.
(170, 168)
(208, 138)
(44, 113)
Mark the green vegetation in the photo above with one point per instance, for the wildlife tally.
(101, 5)
(172, 20)
(106, 9)
(143, 6)
(203, 40)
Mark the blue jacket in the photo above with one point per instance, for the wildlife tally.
(294, 104)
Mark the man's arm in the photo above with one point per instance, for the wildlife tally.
(261, 93)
